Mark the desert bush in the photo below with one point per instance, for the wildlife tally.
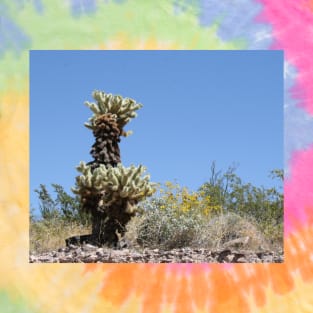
(172, 218)
(166, 228)
(264, 205)
(224, 228)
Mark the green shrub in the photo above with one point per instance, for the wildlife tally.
(166, 229)
(63, 206)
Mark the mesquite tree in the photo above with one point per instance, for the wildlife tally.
(108, 190)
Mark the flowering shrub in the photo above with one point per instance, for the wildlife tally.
(181, 200)
(177, 217)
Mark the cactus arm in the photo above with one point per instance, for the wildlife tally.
(123, 108)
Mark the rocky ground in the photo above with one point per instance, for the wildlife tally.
(88, 253)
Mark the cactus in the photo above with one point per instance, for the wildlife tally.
(106, 150)
(122, 108)
(113, 184)
(108, 190)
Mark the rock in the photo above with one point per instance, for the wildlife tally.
(88, 253)
(237, 243)
(88, 247)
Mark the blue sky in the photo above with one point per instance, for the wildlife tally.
(198, 107)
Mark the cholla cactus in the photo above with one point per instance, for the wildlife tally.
(105, 150)
(113, 184)
(122, 108)
(110, 115)
(108, 190)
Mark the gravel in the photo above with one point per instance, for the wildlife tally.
(88, 253)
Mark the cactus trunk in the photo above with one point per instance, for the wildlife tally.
(109, 228)
(105, 151)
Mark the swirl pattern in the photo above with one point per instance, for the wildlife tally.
(166, 24)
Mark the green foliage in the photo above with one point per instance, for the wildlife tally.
(219, 185)
(264, 205)
(47, 207)
(63, 206)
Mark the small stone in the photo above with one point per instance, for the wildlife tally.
(92, 254)
(100, 252)
(186, 259)
(90, 258)
(88, 247)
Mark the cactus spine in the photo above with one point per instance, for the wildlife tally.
(108, 190)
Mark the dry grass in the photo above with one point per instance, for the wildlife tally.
(47, 235)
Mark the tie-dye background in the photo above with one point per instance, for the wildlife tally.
(162, 24)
